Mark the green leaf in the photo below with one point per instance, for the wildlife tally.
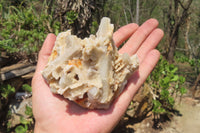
(183, 90)
(6, 90)
(158, 109)
(20, 129)
(9, 113)
(27, 88)
(171, 101)
(182, 79)
(71, 16)
(156, 103)
(24, 121)
(176, 86)
(175, 78)
(164, 83)
(174, 70)
(161, 110)
(166, 80)
(164, 94)
(28, 111)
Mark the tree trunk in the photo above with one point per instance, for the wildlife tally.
(81, 11)
(125, 16)
(173, 28)
(172, 48)
(178, 13)
(187, 45)
(137, 11)
(195, 85)
(131, 10)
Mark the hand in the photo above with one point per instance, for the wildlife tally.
(55, 114)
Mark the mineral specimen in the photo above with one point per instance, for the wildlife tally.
(89, 71)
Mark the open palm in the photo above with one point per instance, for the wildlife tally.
(55, 114)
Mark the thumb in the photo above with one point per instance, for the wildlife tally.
(45, 51)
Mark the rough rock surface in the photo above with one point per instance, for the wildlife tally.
(89, 71)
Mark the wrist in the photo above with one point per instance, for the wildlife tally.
(48, 128)
(39, 129)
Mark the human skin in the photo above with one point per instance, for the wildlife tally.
(54, 114)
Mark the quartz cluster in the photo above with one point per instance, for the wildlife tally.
(89, 71)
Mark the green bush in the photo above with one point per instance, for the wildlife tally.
(194, 62)
(6, 90)
(23, 29)
(23, 127)
(166, 85)
(71, 17)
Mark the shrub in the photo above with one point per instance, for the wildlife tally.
(23, 29)
(6, 90)
(166, 86)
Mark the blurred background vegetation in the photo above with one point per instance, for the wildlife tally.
(24, 24)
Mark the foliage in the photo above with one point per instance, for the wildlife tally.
(21, 129)
(27, 88)
(71, 16)
(6, 90)
(122, 12)
(25, 122)
(24, 29)
(94, 27)
(194, 62)
(165, 84)
(29, 111)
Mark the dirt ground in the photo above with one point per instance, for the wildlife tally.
(187, 120)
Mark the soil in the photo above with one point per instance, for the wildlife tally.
(185, 120)
(188, 121)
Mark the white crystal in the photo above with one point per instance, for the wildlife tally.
(89, 71)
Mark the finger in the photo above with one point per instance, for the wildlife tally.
(137, 80)
(150, 43)
(139, 36)
(124, 33)
(38, 80)
(45, 51)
